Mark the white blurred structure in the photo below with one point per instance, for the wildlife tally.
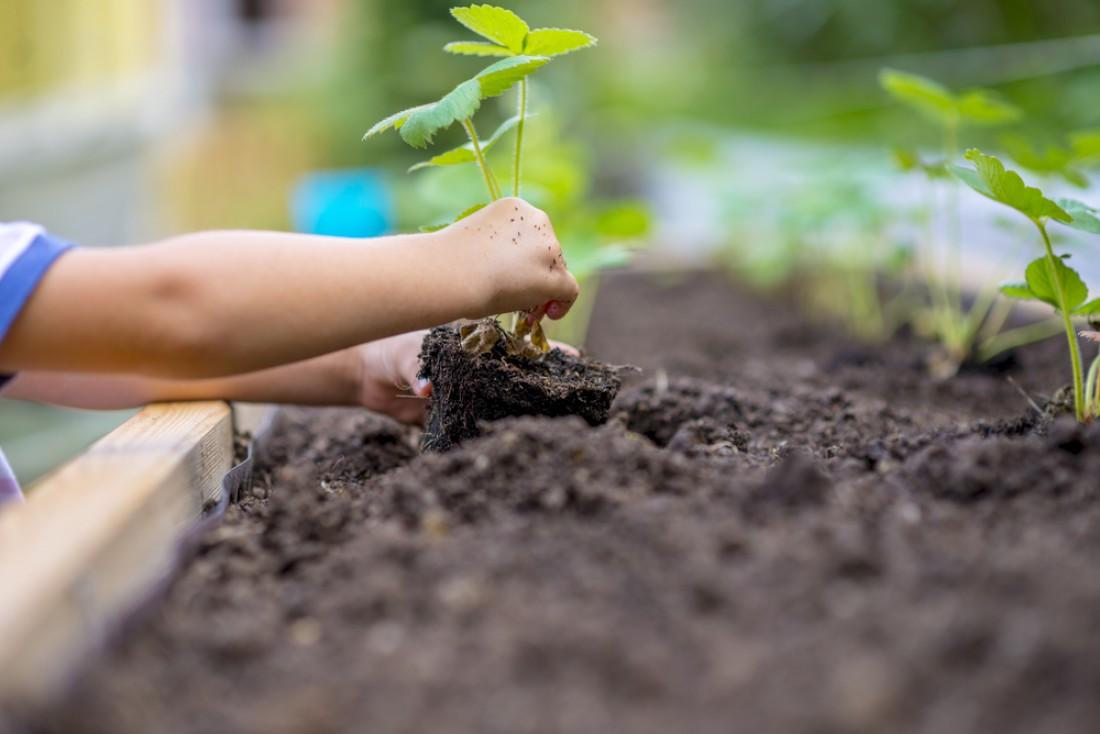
(93, 93)
(89, 87)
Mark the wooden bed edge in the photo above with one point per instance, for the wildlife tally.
(95, 535)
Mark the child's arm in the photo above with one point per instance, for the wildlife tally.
(381, 375)
(222, 303)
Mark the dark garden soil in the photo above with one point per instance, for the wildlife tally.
(470, 391)
(778, 531)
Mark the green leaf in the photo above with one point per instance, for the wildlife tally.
(909, 160)
(975, 107)
(1075, 177)
(465, 213)
(420, 124)
(465, 153)
(920, 93)
(459, 104)
(500, 77)
(1089, 309)
(624, 220)
(476, 48)
(1085, 218)
(1051, 160)
(497, 24)
(990, 179)
(1018, 289)
(906, 159)
(396, 120)
(1040, 282)
(1085, 145)
(504, 128)
(453, 157)
(470, 210)
(556, 41)
(981, 107)
(973, 179)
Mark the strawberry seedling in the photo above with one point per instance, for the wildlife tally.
(524, 50)
(509, 35)
(1047, 279)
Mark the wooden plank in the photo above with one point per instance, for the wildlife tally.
(97, 533)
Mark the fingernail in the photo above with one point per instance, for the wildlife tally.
(422, 387)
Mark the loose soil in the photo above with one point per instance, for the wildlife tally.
(777, 531)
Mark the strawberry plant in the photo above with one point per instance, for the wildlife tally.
(508, 35)
(957, 328)
(1048, 279)
(524, 50)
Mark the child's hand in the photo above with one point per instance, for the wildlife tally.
(387, 381)
(526, 270)
(387, 377)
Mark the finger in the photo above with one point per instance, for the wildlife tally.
(565, 298)
(409, 364)
(535, 315)
(421, 388)
(556, 309)
(567, 348)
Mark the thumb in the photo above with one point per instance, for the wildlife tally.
(409, 364)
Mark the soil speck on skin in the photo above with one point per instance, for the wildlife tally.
(902, 555)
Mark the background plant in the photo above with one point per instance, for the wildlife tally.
(857, 271)
(1066, 160)
(1048, 279)
(956, 326)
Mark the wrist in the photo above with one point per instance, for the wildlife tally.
(466, 270)
(349, 374)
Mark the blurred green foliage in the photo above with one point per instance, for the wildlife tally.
(810, 65)
(805, 67)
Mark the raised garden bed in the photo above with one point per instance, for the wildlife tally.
(779, 530)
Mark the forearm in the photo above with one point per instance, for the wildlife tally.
(332, 379)
(221, 303)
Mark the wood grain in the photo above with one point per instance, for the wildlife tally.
(97, 533)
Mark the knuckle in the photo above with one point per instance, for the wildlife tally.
(530, 210)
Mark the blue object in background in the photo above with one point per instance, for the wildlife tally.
(347, 203)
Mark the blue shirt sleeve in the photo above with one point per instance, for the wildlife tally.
(26, 253)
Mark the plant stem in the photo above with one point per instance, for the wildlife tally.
(1096, 398)
(865, 309)
(954, 247)
(1017, 337)
(519, 134)
(998, 315)
(977, 316)
(941, 303)
(1067, 324)
(1092, 387)
(490, 180)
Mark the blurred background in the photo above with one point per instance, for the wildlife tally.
(122, 121)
